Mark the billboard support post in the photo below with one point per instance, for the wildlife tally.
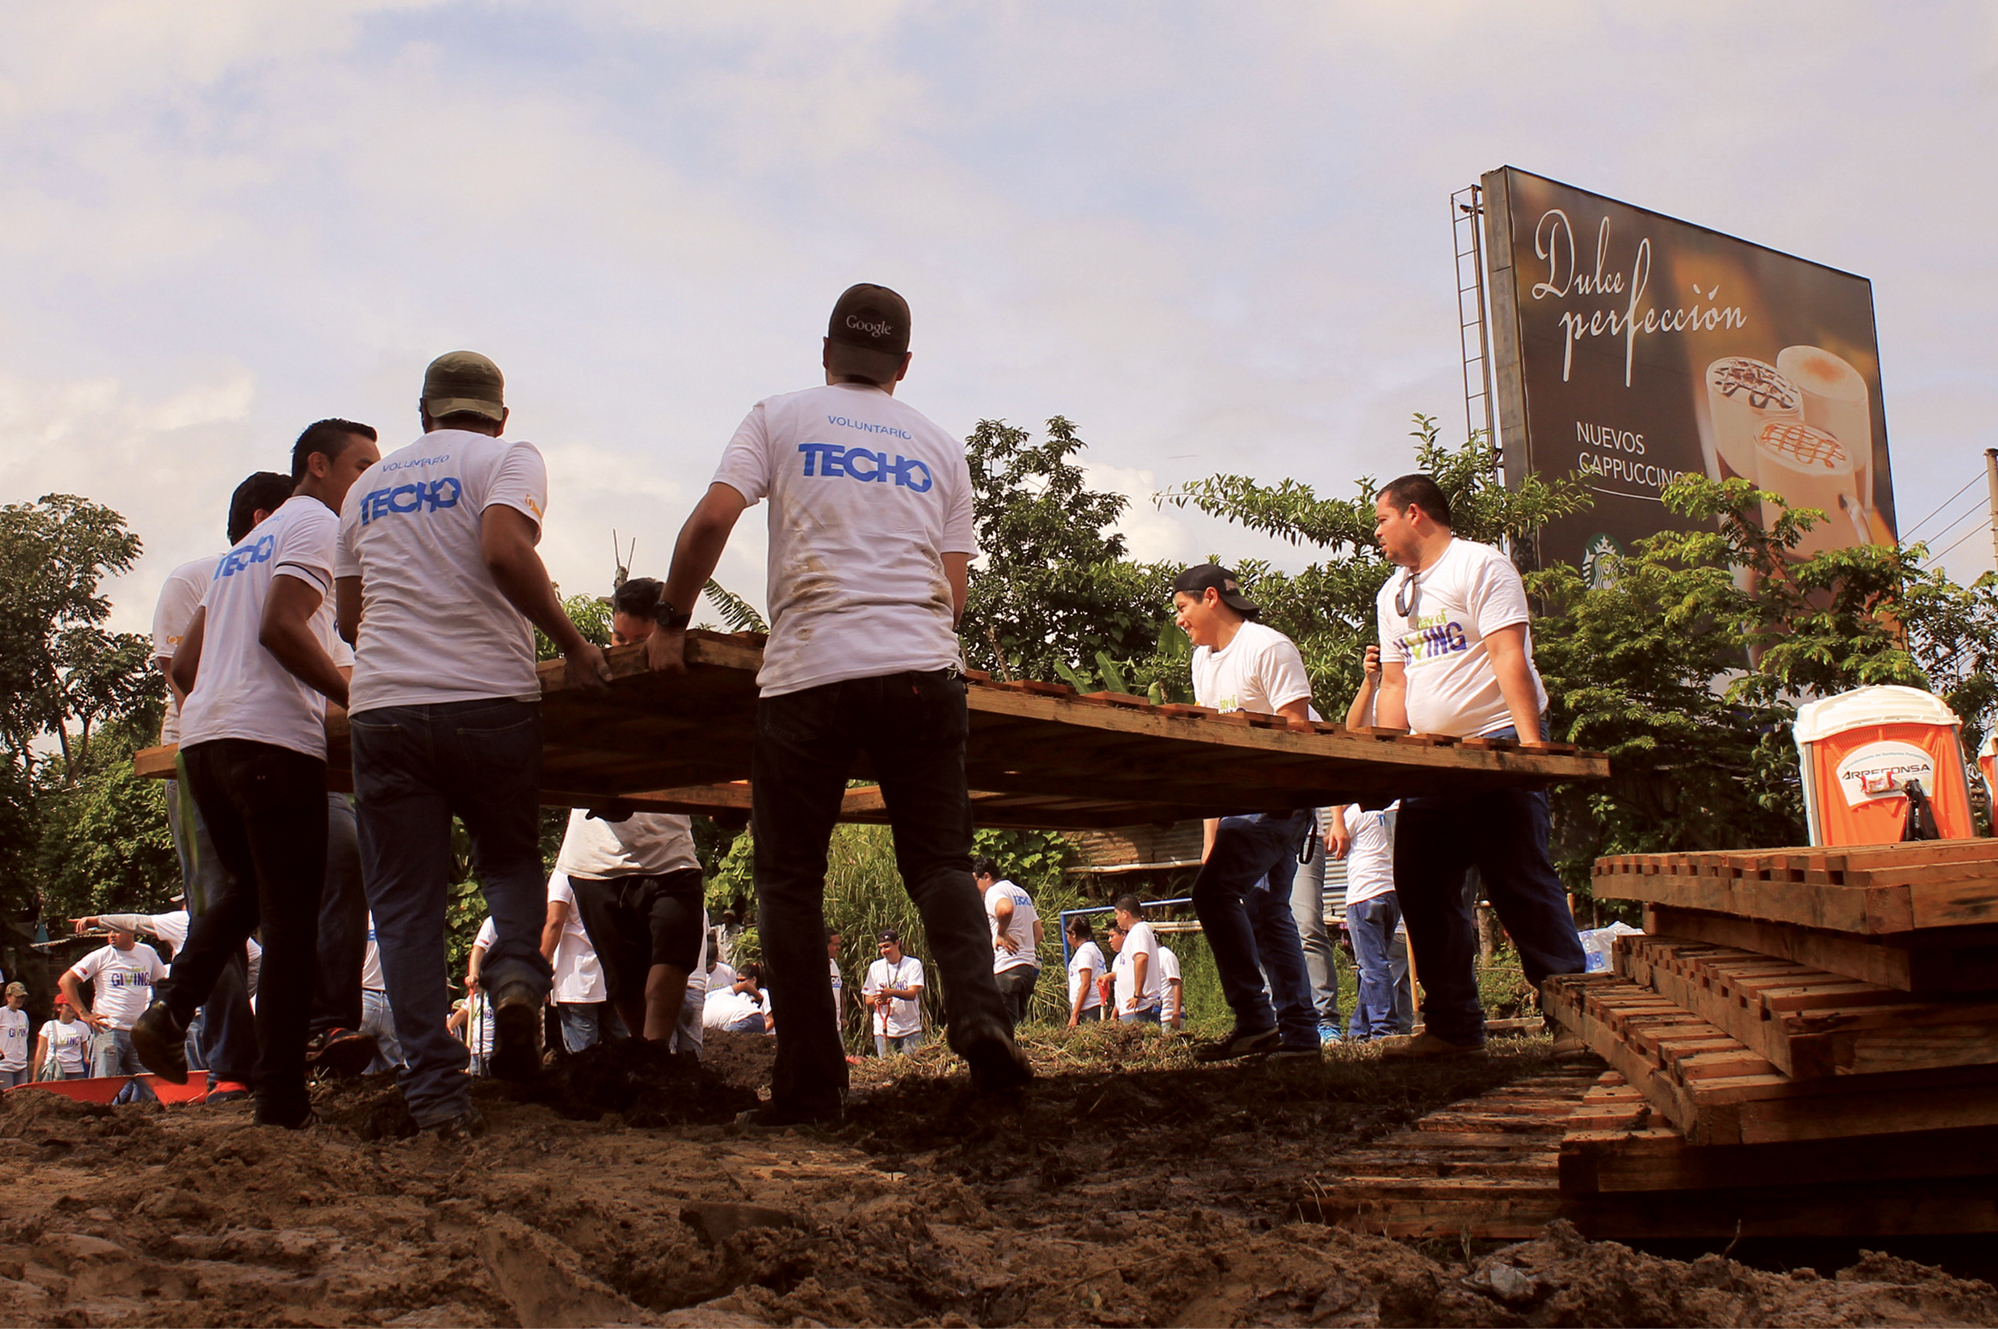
(1466, 222)
(1991, 484)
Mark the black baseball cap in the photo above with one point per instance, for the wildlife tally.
(873, 319)
(890, 934)
(1197, 579)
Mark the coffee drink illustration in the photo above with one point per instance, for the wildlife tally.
(1743, 396)
(1834, 399)
(1810, 468)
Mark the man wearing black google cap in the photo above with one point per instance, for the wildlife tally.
(870, 544)
(1242, 894)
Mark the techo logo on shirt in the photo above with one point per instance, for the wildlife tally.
(865, 466)
(245, 556)
(418, 496)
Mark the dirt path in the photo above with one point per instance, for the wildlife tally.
(1130, 1188)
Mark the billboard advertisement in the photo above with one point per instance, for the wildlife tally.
(1630, 347)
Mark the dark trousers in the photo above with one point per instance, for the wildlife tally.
(265, 810)
(226, 1033)
(343, 923)
(415, 767)
(912, 727)
(1242, 897)
(639, 921)
(1016, 989)
(1504, 835)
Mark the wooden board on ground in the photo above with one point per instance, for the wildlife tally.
(1038, 754)
(1945, 961)
(1717, 1091)
(1877, 890)
(1807, 1022)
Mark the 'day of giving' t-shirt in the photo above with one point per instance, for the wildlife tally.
(1020, 927)
(434, 626)
(242, 691)
(179, 598)
(1469, 593)
(67, 1041)
(1259, 670)
(905, 1014)
(1370, 860)
(643, 844)
(866, 496)
(1088, 958)
(13, 1040)
(123, 981)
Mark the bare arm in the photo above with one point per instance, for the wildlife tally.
(695, 553)
(1370, 686)
(1506, 647)
(1002, 914)
(347, 607)
(1140, 963)
(1081, 991)
(472, 969)
(72, 992)
(1298, 713)
(506, 541)
(187, 656)
(1338, 840)
(286, 632)
(1391, 706)
(551, 930)
(957, 568)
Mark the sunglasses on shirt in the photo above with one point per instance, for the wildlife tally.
(1408, 591)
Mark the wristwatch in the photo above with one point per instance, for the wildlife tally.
(669, 618)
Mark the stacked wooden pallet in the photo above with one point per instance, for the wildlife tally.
(1804, 1040)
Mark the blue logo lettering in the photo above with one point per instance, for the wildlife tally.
(865, 466)
(419, 496)
(244, 556)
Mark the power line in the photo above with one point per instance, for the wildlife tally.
(1971, 511)
(1940, 506)
(1978, 529)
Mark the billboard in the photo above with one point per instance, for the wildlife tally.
(1630, 347)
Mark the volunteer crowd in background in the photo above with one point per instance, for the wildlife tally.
(406, 589)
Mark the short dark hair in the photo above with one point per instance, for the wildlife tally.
(329, 437)
(1419, 491)
(638, 596)
(984, 867)
(265, 491)
(1078, 927)
(1130, 904)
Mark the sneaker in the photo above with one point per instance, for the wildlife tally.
(466, 1126)
(516, 1033)
(227, 1091)
(770, 1117)
(1329, 1033)
(1426, 1044)
(342, 1052)
(161, 1043)
(1239, 1044)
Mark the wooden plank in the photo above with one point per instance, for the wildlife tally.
(1655, 1158)
(1960, 961)
(1824, 1210)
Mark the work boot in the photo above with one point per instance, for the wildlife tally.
(161, 1043)
(516, 1033)
(997, 1064)
(1240, 1044)
(1415, 1047)
(340, 1052)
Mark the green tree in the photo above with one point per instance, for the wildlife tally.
(101, 842)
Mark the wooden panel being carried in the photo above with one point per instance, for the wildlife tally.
(1717, 1091)
(1946, 960)
(1807, 1022)
(1872, 890)
(1038, 754)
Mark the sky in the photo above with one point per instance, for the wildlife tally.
(1214, 236)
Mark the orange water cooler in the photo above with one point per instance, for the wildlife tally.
(1860, 747)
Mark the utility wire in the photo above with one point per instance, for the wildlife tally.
(1979, 529)
(1939, 507)
(1968, 512)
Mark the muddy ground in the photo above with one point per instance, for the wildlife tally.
(1127, 1188)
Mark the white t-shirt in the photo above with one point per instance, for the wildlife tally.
(838, 983)
(124, 981)
(434, 626)
(371, 961)
(1087, 960)
(488, 934)
(478, 1031)
(1170, 998)
(179, 598)
(68, 1042)
(905, 1014)
(866, 496)
(727, 1006)
(1020, 928)
(1259, 670)
(242, 691)
(1141, 940)
(722, 977)
(1370, 860)
(14, 1047)
(579, 979)
(1469, 593)
(643, 844)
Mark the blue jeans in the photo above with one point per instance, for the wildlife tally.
(414, 768)
(1379, 1008)
(1504, 835)
(1138, 1017)
(1307, 907)
(883, 1044)
(586, 1024)
(912, 728)
(111, 1054)
(9, 1079)
(378, 1023)
(343, 923)
(227, 1037)
(1242, 897)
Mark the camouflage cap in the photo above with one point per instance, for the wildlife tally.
(464, 381)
